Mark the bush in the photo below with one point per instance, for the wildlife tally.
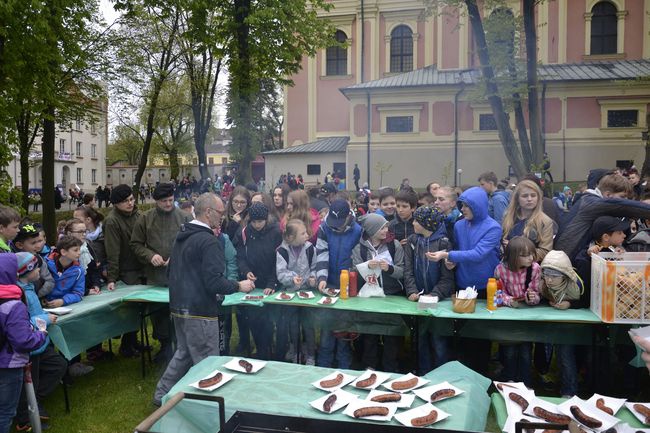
(37, 217)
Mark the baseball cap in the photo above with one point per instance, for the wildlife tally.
(338, 213)
(608, 224)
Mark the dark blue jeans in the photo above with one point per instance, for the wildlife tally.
(329, 345)
(566, 359)
(11, 382)
(441, 349)
(517, 362)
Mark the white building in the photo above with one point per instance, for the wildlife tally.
(79, 156)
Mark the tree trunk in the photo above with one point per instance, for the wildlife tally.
(173, 163)
(24, 179)
(645, 171)
(242, 93)
(501, 118)
(534, 118)
(47, 196)
(142, 164)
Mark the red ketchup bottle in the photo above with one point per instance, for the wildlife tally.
(353, 284)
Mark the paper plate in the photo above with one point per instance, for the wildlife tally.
(332, 301)
(227, 377)
(405, 401)
(381, 378)
(285, 296)
(420, 382)
(589, 410)
(342, 399)
(358, 404)
(613, 403)
(347, 378)
(406, 417)
(233, 364)
(426, 392)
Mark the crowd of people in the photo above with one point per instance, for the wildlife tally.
(205, 247)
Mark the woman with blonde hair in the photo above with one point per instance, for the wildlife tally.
(525, 217)
(298, 208)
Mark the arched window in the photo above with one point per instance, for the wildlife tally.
(337, 57)
(604, 28)
(401, 49)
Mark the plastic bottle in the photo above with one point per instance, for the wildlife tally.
(344, 283)
(353, 284)
(492, 294)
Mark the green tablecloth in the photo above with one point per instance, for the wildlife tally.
(158, 295)
(385, 316)
(95, 319)
(499, 406)
(285, 389)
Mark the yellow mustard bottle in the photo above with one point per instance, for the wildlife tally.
(344, 284)
(492, 294)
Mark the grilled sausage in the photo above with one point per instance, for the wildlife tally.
(246, 365)
(285, 296)
(327, 301)
(303, 294)
(500, 386)
(519, 400)
(442, 394)
(327, 405)
(331, 383)
(331, 292)
(371, 411)
(585, 419)
(643, 410)
(551, 417)
(210, 381)
(610, 430)
(422, 421)
(404, 384)
(387, 398)
(527, 430)
(600, 404)
(365, 383)
(253, 297)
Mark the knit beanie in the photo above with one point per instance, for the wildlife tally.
(429, 218)
(26, 263)
(258, 211)
(163, 190)
(120, 193)
(372, 223)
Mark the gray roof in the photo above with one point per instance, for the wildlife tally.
(324, 145)
(587, 71)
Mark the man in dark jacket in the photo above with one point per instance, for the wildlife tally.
(608, 199)
(123, 264)
(197, 269)
(151, 241)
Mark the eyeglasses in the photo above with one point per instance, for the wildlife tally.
(78, 231)
(240, 202)
(220, 212)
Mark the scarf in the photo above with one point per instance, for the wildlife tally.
(92, 236)
(86, 257)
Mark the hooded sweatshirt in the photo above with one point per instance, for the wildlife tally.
(17, 335)
(256, 253)
(295, 262)
(334, 250)
(421, 273)
(559, 261)
(197, 272)
(476, 242)
(35, 311)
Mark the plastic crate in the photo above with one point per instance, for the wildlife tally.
(619, 287)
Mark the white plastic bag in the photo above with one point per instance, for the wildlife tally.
(371, 276)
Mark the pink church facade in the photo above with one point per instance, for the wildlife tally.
(402, 93)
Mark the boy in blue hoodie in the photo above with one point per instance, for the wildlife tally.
(420, 274)
(48, 367)
(475, 255)
(17, 338)
(69, 278)
(338, 234)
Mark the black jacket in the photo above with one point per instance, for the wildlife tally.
(400, 228)
(256, 254)
(576, 234)
(196, 272)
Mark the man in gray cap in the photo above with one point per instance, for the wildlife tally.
(151, 241)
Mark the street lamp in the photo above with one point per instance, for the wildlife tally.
(460, 172)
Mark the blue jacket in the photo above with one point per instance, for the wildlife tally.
(476, 242)
(35, 311)
(334, 251)
(497, 205)
(69, 285)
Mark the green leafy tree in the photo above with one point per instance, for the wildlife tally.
(269, 115)
(126, 146)
(497, 39)
(269, 39)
